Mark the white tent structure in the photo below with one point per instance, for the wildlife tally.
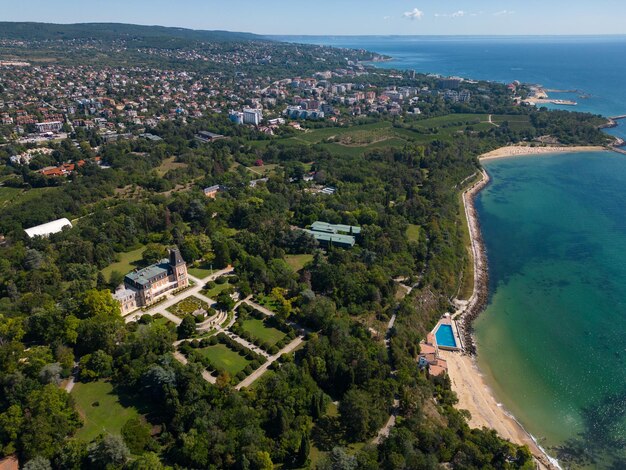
(49, 228)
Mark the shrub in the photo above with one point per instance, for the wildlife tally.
(221, 280)
(146, 319)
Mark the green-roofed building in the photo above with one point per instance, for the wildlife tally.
(335, 228)
(332, 239)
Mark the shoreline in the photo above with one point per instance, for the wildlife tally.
(465, 376)
(525, 151)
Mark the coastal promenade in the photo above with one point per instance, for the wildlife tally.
(466, 379)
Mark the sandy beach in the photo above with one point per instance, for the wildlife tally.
(525, 150)
(467, 381)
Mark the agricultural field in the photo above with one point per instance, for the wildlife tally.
(225, 358)
(101, 409)
(257, 329)
(127, 262)
(187, 306)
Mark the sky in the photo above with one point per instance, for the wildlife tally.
(339, 17)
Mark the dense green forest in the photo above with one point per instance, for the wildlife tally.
(56, 306)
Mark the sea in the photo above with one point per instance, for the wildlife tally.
(552, 340)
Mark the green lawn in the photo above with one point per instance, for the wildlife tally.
(212, 293)
(225, 358)
(201, 272)
(187, 305)
(107, 417)
(413, 232)
(128, 262)
(297, 262)
(266, 334)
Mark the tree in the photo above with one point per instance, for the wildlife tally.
(108, 451)
(187, 327)
(38, 463)
(153, 254)
(51, 373)
(303, 452)
(136, 435)
(147, 461)
(99, 303)
(225, 301)
(95, 366)
(355, 414)
(338, 459)
(50, 420)
(72, 456)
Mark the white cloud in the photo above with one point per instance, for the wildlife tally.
(503, 13)
(456, 14)
(386, 18)
(414, 14)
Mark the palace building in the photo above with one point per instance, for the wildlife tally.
(146, 286)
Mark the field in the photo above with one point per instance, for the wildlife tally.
(258, 329)
(297, 262)
(225, 358)
(413, 233)
(10, 195)
(107, 417)
(169, 164)
(355, 139)
(128, 262)
(187, 305)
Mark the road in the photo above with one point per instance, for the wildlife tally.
(261, 370)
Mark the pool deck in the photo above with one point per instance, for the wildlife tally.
(446, 320)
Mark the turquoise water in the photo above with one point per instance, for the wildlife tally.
(552, 340)
(445, 336)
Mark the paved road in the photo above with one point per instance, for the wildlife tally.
(386, 429)
(261, 370)
(260, 308)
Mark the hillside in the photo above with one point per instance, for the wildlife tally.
(29, 31)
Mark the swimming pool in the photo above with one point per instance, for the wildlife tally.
(445, 336)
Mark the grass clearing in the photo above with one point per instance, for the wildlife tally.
(225, 358)
(413, 233)
(266, 334)
(108, 416)
(168, 164)
(297, 262)
(127, 262)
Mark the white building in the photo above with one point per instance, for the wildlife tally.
(49, 228)
(252, 116)
(50, 126)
